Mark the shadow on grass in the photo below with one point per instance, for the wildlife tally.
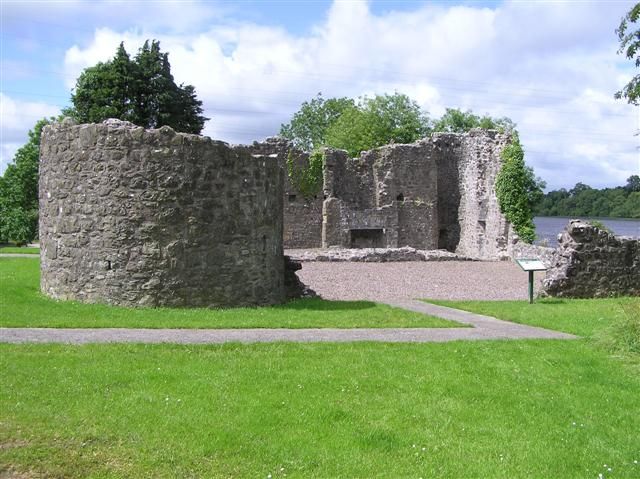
(317, 304)
(551, 301)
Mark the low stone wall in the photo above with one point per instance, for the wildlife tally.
(520, 250)
(132, 217)
(373, 255)
(590, 263)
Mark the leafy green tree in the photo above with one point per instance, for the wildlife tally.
(308, 127)
(19, 192)
(518, 190)
(630, 48)
(141, 91)
(582, 200)
(457, 121)
(378, 121)
(633, 183)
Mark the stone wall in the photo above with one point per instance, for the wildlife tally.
(590, 263)
(302, 216)
(520, 250)
(385, 198)
(447, 150)
(484, 231)
(153, 217)
(436, 193)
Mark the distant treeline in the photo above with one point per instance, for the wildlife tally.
(582, 200)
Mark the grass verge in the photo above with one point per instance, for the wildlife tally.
(499, 409)
(583, 317)
(6, 249)
(22, 305)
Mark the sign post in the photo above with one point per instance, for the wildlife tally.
(530, 265)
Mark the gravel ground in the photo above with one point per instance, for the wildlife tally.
(486, 280)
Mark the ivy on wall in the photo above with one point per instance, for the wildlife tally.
(514, 186)
(307, 180)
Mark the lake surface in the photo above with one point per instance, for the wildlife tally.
(548, 227)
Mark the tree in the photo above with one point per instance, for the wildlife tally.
(518, 190)
(308, 127)
(457, 121)
(141, 91)
(378, 121)
(633, 183)
(19, 191)
(630, 48)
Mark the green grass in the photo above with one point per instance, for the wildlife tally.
(5, 249)
(584, 317)
(22, 305)
(494, 409)
(476, 409)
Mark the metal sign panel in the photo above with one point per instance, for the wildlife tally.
(531, 264)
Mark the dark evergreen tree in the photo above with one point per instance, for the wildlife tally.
(141, 91)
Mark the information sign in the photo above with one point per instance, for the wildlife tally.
(530, 265)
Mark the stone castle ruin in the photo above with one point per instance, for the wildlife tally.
(592, 263)
(437, 193)
(153, 217)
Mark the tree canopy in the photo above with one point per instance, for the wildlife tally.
(457, 121)
(583, 200)
(369, 122)
(140, 90)
(19, 192)
(308, 127)
(376, 121)
(630, 47)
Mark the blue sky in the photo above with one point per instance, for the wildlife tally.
(550, 66)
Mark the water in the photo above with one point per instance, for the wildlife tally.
(548, 227)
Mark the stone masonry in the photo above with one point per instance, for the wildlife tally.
(157, 218)
(591, 263)
(437, 193)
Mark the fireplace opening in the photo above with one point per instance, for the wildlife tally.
(367, 238)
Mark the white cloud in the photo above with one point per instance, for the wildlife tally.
(16, 119)
(554, 76)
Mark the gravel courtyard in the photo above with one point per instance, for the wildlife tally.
(410, 280)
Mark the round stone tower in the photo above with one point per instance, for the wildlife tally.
(130, 216)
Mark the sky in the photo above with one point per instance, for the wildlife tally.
(550, 66)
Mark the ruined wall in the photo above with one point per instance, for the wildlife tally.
(153, 217)
(436, 193)
(302, 216)
(484, 230)
(447, 151)
(591, 263)
(385, 198)
(520, 250)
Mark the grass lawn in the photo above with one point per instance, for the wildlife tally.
(485, 409)
(22, 305)
(583, 317)
(4, 249)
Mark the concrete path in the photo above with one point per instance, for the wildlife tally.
(19, 255)
(484, 327)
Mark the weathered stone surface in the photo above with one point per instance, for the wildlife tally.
(437, 193)
(590, 263)
(520, 250)
(294, 288)
(374, 255)
(153, 217)
(302, 216)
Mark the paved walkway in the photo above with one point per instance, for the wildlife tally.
(484, 327)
